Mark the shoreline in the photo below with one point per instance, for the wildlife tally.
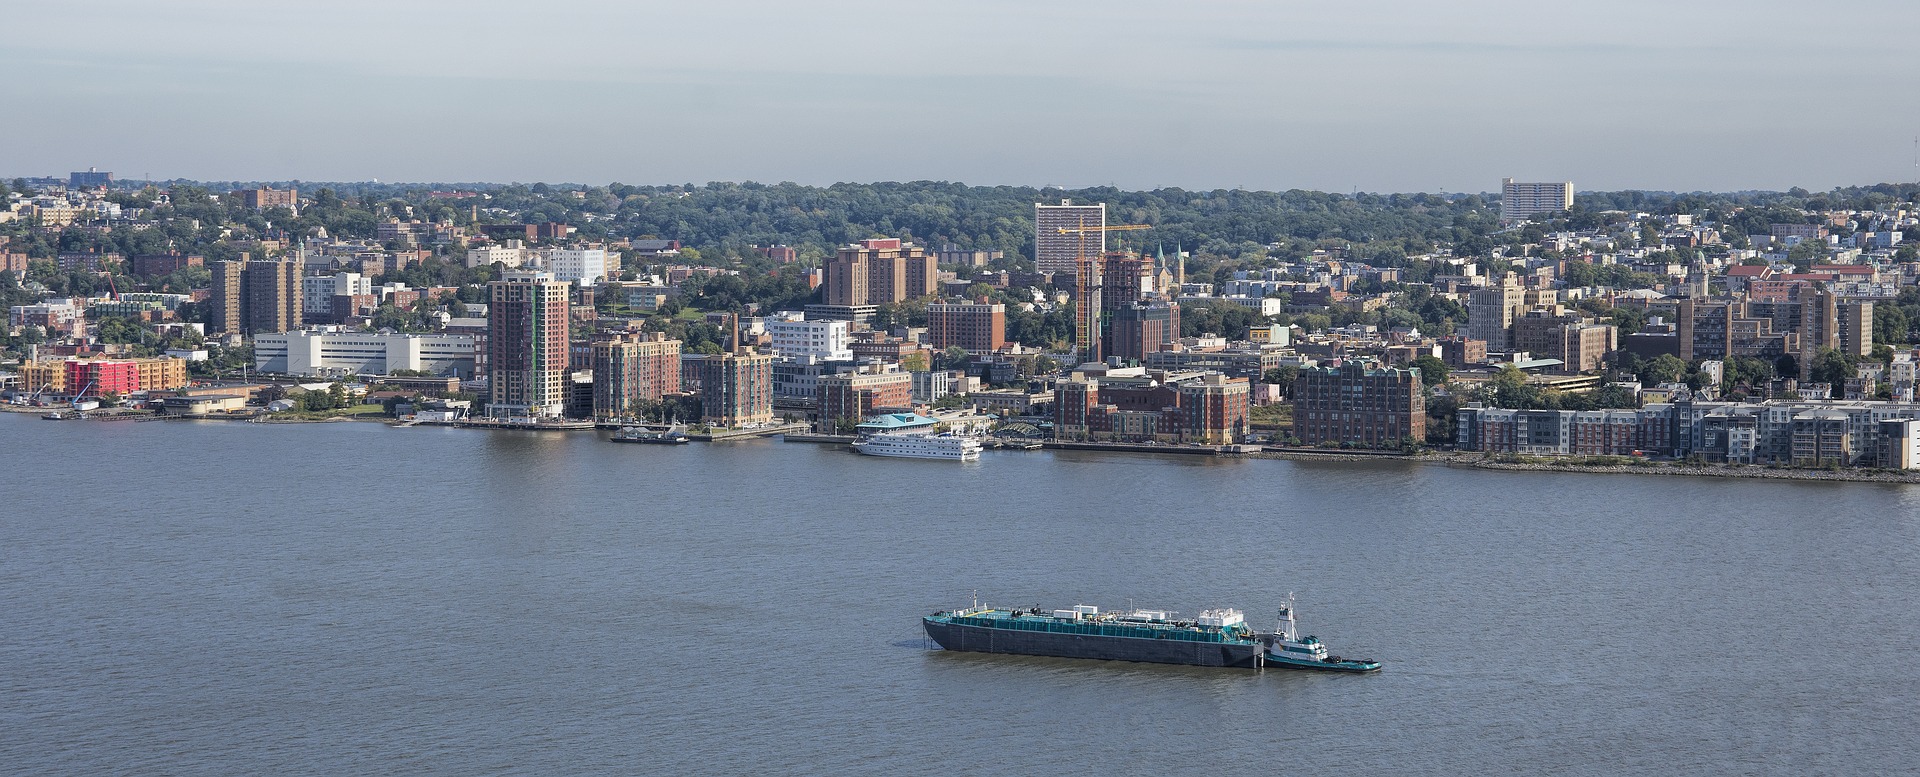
(1455, 460)
(1672, 469)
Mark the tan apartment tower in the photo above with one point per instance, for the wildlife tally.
(255, 296)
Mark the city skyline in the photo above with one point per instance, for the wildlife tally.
(1376, 97)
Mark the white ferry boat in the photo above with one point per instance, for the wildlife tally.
(920, 446)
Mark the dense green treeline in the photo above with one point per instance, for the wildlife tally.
(721, 220)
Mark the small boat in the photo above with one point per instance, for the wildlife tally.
(54, 416)
(1284, 647)
(675, 434)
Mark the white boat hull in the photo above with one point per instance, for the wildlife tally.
(918, 447)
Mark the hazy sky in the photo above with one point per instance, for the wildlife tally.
(1394, 95)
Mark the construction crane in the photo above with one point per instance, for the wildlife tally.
(1087, 282)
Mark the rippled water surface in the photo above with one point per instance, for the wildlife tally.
(210, 597)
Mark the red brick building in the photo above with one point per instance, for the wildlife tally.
(881, 271)
(1152, 406)
(977, 327)
(856, 395)
(156, 265)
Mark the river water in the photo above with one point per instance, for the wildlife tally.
(230, 598)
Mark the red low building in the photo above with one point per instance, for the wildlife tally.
(94, 377)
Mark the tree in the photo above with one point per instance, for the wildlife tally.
(954, 357)
(1509, 389)
(1442, 420)
(1747, 370)
(1890, 324)
(1283, 377)
(1433, 371)
(914, 362)
(1786, 366)
(1832, 367)
(1665, 368)
(1628, 320)
(1806, 253)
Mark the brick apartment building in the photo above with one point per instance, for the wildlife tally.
(976, 327)
(880, 271)
(1352, 404)
(852, 396)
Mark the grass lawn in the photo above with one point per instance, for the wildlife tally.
(356, 410)
(1278, 416)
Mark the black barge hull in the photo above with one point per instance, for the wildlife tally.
(975, 639)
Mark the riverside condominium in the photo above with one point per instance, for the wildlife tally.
(527, 344)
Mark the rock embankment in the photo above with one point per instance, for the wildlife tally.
(1704, 470)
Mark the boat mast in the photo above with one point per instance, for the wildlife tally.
(1284, 629)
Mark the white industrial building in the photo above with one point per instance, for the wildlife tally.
(332, 351)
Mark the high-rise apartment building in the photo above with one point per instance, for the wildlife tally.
(93, 177)
(736, 388)
(1577, 341)
(881, 271)
(273, 295)
(1138, 329)
(630, 368)
(527, 344)
(224, 293)
(1490, 313)
(1056, 252)
(1856, 326)
(1525, 200)
(256, 295)
(1088, 293)
(1124, 278)
(977, 327)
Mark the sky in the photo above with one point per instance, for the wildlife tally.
(1369, 95)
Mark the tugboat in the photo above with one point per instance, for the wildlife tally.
(1284, 647)
(675, 434)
